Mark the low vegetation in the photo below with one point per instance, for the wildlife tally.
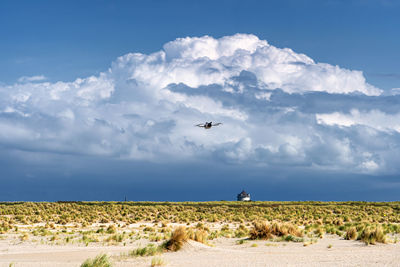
(122, 223)
(298, 213)
(149, 250)
(99, 261)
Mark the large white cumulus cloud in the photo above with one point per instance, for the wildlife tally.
(279, 108)
(205, 61)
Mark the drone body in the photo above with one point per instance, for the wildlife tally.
(208, 125)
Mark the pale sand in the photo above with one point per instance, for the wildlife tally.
(224, 253)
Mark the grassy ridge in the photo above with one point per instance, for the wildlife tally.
(300, 213)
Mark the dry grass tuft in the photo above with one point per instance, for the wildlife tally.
(201, 236)
(262, 230)
(178, 238)
(24, 237)
(157, 261)
(286, 229)
(351, 234)
(100, 261)
(197, 235)
(149, 250)
(373, 236)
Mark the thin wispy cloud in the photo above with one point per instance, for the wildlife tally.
(395, 91)
(37, 78)
(279, 109)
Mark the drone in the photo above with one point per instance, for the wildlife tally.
(208, 125)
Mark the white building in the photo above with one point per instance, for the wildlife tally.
(243, 196)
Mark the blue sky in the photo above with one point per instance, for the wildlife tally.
(67, 39)
(84, 118)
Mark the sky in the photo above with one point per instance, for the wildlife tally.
(98, 100)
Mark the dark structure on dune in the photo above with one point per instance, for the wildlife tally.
(243, 196)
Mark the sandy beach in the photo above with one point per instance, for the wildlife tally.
(328, 251)
(177, 234)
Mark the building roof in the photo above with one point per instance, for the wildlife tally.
(243, 193)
